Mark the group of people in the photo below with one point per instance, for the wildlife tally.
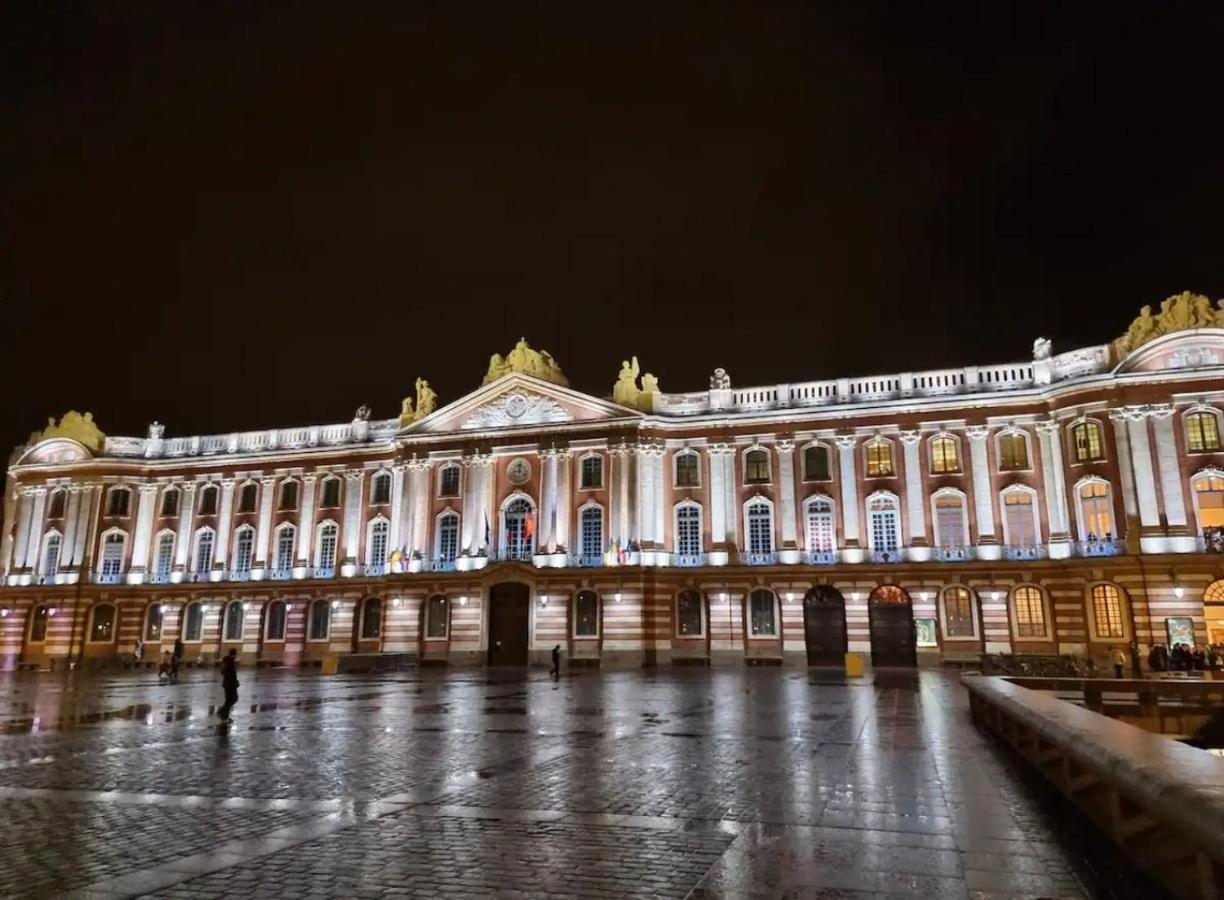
(170, 662)
(1185, 658)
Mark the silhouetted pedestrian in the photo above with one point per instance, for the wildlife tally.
(229, 681)
(137, 653)
(555, 671)
(176, 659)
(1119, 662)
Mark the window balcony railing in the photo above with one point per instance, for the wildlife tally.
(821, 557)
(323, 572)
(953, 554)
(760, 558)
(238, 575)
(280, 574)
(107, 577)
(1037, 552)
(374, 570)
(886, 556)
(437, 565)
(688, 560)
(1100, 547)
(158, 578)
(587, 560)
(520, 554)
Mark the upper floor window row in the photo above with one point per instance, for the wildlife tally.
(1087, 442)
(688, 469)
(118, 501)
(945, 455)
(592, 472)
(756, 466)
(1202, 431)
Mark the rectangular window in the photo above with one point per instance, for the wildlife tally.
(448, 538)
(204, 553)
(879, 459)
(284, 549)
(592, 471)
(1013, 452)
(382, 489)
(1202, 432)
(760, 529)
(234, 615)
(950, 522)
(687, 471)
(170, 501)
(884, 531)
(331, 493)
(118, 502)
(165, 556)
(448, 482)
(1087, 439)
(208, 501)
(320, 620)
(958, 611)
(289, 496)
(327, 547)
(762, 613)
(247, 499)
(1020, 520)
(689, 614)
(944, 456)
(193, 629)
(244, 550)
(1107, 611)
(816, 464)
(276, 621)
(592, 532)
(378, 544)
(436, 616)
(688, 532)
(1030, 613)
(756, 467)
(820, 528)
(586, 614)
(112, 556)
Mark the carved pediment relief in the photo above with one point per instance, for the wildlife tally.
(514, 409)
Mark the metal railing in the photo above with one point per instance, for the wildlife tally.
(760, 558)
(1036, 552)
(886, 556)
(1100, 547)
(688, 560)
(323, 572)
(953, 554)
(821, 557)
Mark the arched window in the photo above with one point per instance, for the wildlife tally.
(688, 533)
(380, 489)
(519, 531)
(248, 497)
(320, 620)
(325, 555)
(208, 500)
(204, 552)
(376, 543)
(759, 515)
(244, 549)
(756, 466)
(1029, 610)
(163, 561)
(816, 463)
(437, 617)
(51, 553)
(1214, 592)
(1086, 442)
(118, 501)
(448, 481)
(1209, 498)
(170, 502)
(762, 614)
(879, 458)
(153, 623)
(38, 624)
(275, 630)
(945, 455)
(331, 493)
(884, 523)
(1107, 612)
(592, 472)
(688, 469)
(1021, 531)
(288, 496)
(690, 614)
(193, 622)
(113, 546)
(1202, 431)
(586, 614)
(448, 537)
(285, 538)
(371, 619)
(958, 613)
(590, 534)
(1013, 451)
(234, 616)
(951, 522)
(821, 536)
(102, 624)
(1096, 511)
(55, 509)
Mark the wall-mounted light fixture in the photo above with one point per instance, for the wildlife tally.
(52, 611)
(617, 597)
(543, 600)
(288, 607)
(463, 601)
(1179, 591)
(335, 604)
(397, 602)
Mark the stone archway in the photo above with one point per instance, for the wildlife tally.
(509, 624)
(824, 626)
(894, 641)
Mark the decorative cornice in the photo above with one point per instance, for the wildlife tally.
(977, 432)
(910, 438)
(846, 441)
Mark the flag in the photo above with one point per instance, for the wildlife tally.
(529, 526)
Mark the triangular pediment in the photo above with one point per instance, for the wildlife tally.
(518, 400)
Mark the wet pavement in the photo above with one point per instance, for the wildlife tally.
(668, 783)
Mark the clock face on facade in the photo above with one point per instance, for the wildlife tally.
(519, 471)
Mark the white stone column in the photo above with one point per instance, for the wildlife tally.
(718, 489)
(546, 540)
(467, 514)
(37, 525)
(144, 528)
(915, 500)
(659, 491)
(305, 542)
(418, 506)
(1173, 498)
(263, 530)
(731, 504)
(624, 530)
(1141, 461)
(182, 544)
(847, 446)
(11, 503)
(71, 515)
(644, 496)
(395, 530)
(786, 500)
(1049, 435)
(354, 490)
(565, 493)
(85, 519)
(983, 496)
(225, 524)
(25, 514)
(1126, 467)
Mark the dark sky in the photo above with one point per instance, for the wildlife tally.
(231, 216)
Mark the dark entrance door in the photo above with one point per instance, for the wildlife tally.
(509, 624)
(824, 627)
(893, 638)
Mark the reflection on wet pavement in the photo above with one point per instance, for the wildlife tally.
(664, 783)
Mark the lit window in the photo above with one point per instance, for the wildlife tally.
(380, 490)
(38, 624)
(1097, 508)
(945, 455)
(371, 619)
(520, 529)
(170, 502)
(112, 554)
(688, 530)
(688, 471)
(165, 556)
(247, 498)
(1030, 612)
(288, 496)
(103, 626)
(586, 614)
(690, 614)
(1107, 611)
(284, 547)
(448, 537)
(276, 621)
(437, 617)
(377, 543)
(233, 622)
(879, 459)
(320, 620)
(193, 627)
(958, 612)
(885, 523)
(820, 534)
(118, 501)
(1209, 490)
(1020, 519)
(1202, 432)
(327, 546)
(1086, 438)
(331, 493)
(592, 471)
(591, 532)
(760, 528)
(816, 463)
(1013, 451)
(55, 509)
(204, 552)
(51, 554)
(761, 614)
(208, 501)
(244, 549)
(756, 467)
(950, 520)
(448, 482)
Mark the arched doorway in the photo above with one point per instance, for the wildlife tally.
(824, 626)
(509, 624)
(893, 640)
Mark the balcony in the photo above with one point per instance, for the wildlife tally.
(688, 560)
(238, 575)
(821, 557)
(586, 560)
(108, 577)
(1022, 553)
(323, 572)
(886, 556)
(437, 565)
(762, 558)
(280, 574)
(953, 554)
(1100, 547)
(374, 570)
(158, 578)
(520, 554)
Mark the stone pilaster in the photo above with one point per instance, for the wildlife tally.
(847, 446)
(182, 544)
(354, 490)
(983, 495)
(145, 510)
(225, 525)
(263, 533)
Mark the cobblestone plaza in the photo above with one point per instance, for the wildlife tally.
(653, 783)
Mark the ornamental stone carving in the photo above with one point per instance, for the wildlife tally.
(1181, 312)
(527, 361)
(75, 426)
(517, 408)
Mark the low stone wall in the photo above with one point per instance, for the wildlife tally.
(1160, 800)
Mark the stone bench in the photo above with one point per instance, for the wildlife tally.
(1160, 800)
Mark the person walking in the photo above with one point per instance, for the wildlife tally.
(176, 659)
(1119, 662)
(137, 653)
(229, 681)
(555, 671)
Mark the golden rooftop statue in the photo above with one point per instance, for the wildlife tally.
(426, 402)
(530, 362)
(75, 426)
(1181, 312)
(626, 391)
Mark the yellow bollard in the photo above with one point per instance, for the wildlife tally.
(854, 665)
(331, 664)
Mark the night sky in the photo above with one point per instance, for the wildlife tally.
(231, 216)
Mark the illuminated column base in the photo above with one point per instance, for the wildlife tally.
(917, 554)
(718, 557)
(790, 556)
(989, 551)
(853, 555)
